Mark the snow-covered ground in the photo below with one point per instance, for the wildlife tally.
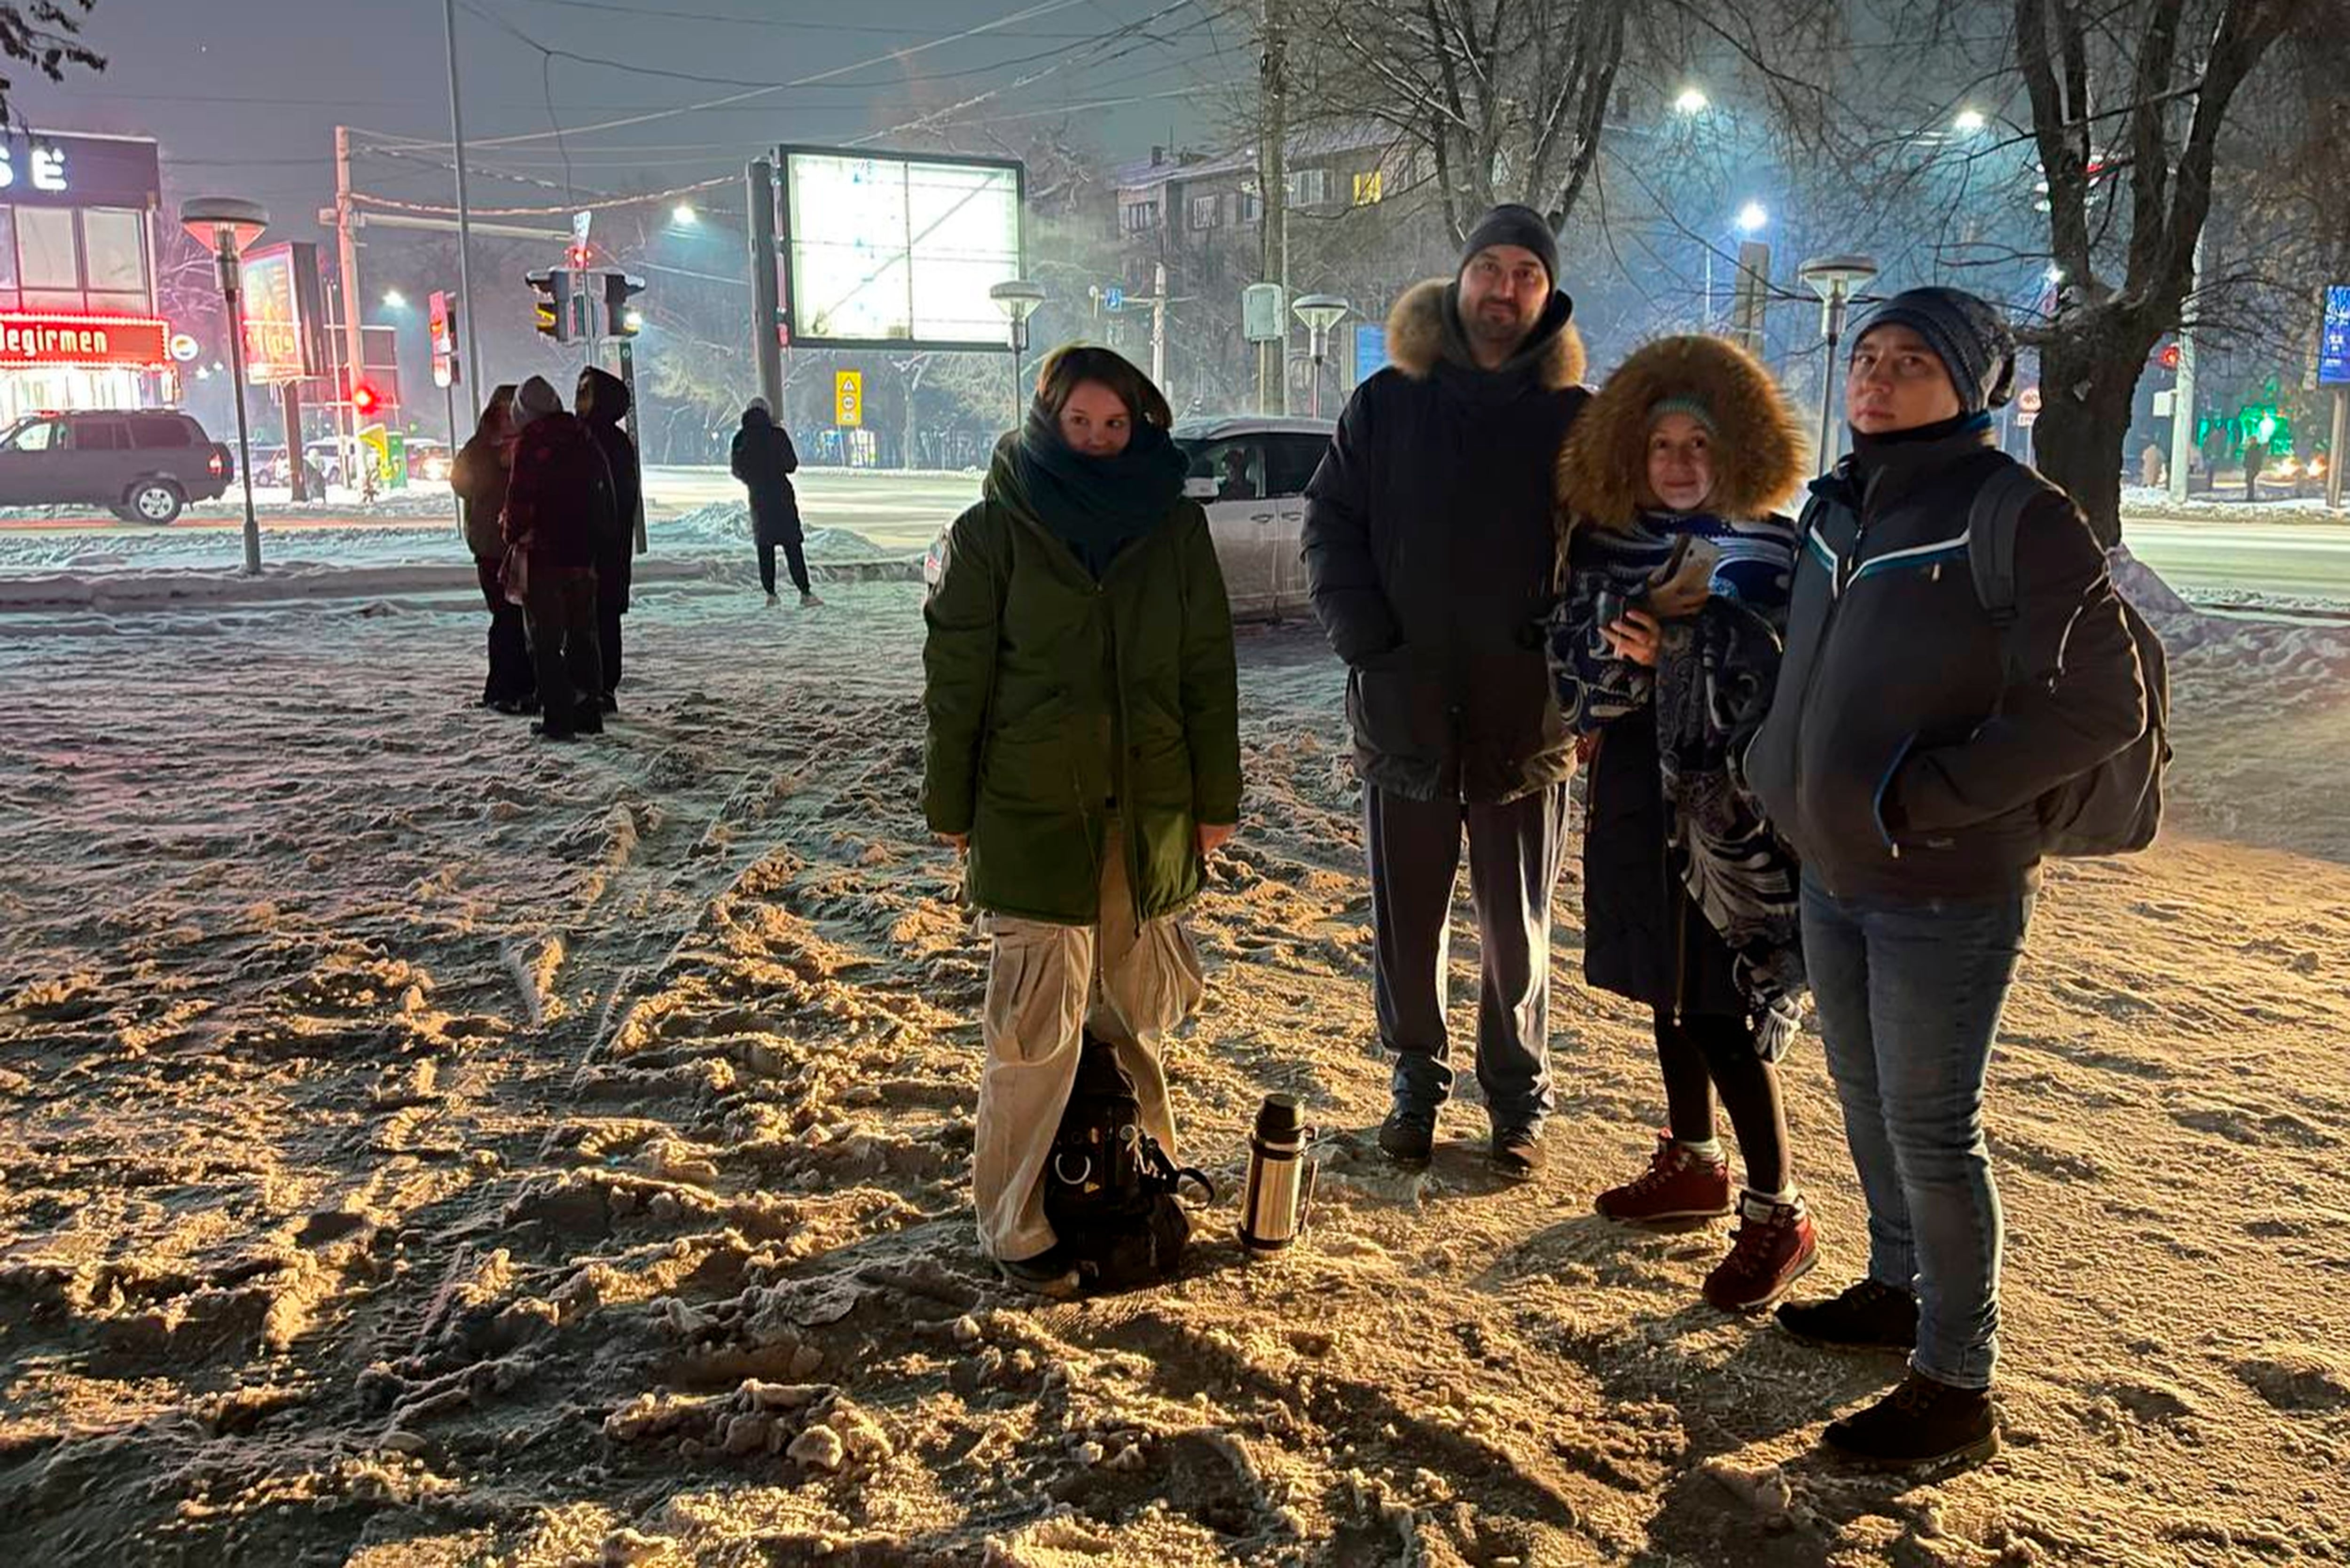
(426, 1147)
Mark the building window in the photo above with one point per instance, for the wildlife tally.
(1203, 211)
(114, 250)
(1141, 216)
(1252, 205)
(1368, 186)
(45, 257)
(1309, 187)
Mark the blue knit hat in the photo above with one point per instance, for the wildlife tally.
(1968, 333)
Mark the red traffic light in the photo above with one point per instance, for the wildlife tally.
(2170, 356)
(581, 258)
(365, 399)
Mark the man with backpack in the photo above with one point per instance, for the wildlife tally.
(558, 510)
(1961, 694)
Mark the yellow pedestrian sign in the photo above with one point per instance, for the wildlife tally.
(848, 398)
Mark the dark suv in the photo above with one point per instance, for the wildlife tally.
(141, 465)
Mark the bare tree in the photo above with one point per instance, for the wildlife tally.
(47, 35)
(2128, 104)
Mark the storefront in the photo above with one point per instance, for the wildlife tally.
(78, 323)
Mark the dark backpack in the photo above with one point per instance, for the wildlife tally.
(1111, 1194)
(2115, 807)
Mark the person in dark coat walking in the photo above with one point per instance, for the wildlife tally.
(1908, 748)
(1432, 558)
(478, 475)
(602, 402)
(764, 462)
(1665, 649)
(558, 512)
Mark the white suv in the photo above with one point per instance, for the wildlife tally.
(1249, 474)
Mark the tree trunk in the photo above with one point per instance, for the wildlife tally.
(2088, 380)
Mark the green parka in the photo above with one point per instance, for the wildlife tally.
(1052, 696)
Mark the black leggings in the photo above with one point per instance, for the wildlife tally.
(1705, 1052)
(792, 554)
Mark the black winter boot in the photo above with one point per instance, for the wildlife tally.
(1870, 1316)
(1921, 1423)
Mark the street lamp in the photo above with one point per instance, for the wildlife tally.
(1018, 299)
(1836, 279)
(227, 227)
(1752, 218)
(1691, 102)
(1320, 312)
(1969, 120)
(394, 301)
(684, 215)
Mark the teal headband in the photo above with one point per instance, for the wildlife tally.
(1681, 405)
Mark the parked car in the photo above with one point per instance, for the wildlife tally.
(429, 458)
(1249, 474)
(142, 464)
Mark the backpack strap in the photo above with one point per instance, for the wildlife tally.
(1994, 521)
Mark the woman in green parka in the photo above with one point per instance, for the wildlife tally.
(1083, 756)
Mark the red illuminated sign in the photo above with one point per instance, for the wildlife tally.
(83, 342)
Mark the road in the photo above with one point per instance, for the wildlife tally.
(903, 512)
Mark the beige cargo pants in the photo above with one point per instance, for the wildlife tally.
(1045, 985)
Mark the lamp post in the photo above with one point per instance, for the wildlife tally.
(1835, 279)
(227, 227)
(1018, 299)
(1752, 219)
(1320, 312)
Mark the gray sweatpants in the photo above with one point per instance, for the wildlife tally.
(1514, 856)
(1046, 985)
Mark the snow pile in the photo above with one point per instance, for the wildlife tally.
(426, 1145)
(2228, 506)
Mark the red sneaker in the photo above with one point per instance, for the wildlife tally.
(1775, 1247)
(1678, 1185)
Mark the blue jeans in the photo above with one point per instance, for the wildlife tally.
(1908, 997)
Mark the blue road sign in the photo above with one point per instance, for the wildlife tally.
(1113, 299)
(1371, 350)
(2334, 342)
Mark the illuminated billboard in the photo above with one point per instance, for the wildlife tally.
(888, 249)
(280, 288)
(82, 342)
(2334, 345)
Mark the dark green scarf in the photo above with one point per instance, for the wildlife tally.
(1098, 505)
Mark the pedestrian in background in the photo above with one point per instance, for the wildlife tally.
(602, 402)
(764, 461)
(1434, 558)
(558, 510)
(1084, 754)
(478, 475)
(1906, 754)
(1665, 649)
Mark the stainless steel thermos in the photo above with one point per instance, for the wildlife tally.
(1280, 1177)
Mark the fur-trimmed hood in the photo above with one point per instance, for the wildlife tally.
(1759, 450)
(1416, 334)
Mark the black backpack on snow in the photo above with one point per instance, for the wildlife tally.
(1111, 1194)
(2115, 807)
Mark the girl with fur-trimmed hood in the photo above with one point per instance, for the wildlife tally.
(1664, 653)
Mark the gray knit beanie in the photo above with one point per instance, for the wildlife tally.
(1967, 333)
(535, 398)
(1511, 225)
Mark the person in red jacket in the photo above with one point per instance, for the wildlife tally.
(559, 508)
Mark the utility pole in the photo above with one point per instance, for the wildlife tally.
(766, 349)
(354, 358)
(473, 376)
(1272, 200)
(2182, 394)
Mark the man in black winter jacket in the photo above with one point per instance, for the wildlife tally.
(602, 402)
(1432, 555)
(1907, 746)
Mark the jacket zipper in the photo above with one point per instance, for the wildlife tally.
(1846, 569)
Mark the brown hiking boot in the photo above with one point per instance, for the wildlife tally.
(1775, 1247)
(1678, 1185)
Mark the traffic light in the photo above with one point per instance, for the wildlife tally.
(620, 319)
(365, 399)
(2170, 356)
(554, 303)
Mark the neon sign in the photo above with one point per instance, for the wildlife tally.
(83, 342)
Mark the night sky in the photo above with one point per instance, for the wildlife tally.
(244, 95)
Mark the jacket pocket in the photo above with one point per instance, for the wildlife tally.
(1395, 709)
